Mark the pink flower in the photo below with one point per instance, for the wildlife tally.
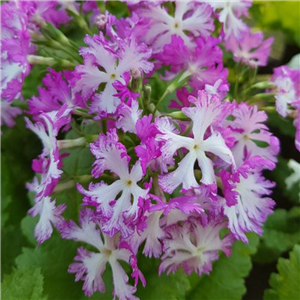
(90, 266)
(207, 112)
(202, 61)
(128, 116)
(246, 207)
(287, 96)
(296, 105)
(287, 88)
(129, 56)
(194, 247)
(8, 114)
(189, 16)
(159, 216)
(15, 44)
(250, 49)
(252, 136)
(182, 95)
(39, 12)
(49, 214)
(151, 235)
(230, 13)
(55, 93)
(49, 161)
(119, 214)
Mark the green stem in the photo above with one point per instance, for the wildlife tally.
(64, 186)
(157, 190)
(78, 112)
(49, 61)
(104, 126)
(261, 97)
(268, 109)
(72, 143)
(178, 82)
(188, 129)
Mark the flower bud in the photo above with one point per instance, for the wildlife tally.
(101, 21)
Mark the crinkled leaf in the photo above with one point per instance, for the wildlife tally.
(285, 126)
(25, 283)
(285, 285)
(280, 174)
(53, 257)
(280, 14)
(163, 287)
(6, 190)
(12, 241)
(79, 161)
(227, 279)
(281, 233)
(18, 147)
(27, 225)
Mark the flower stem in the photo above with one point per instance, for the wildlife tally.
(64, 144)
(49, 61)
(64, 186)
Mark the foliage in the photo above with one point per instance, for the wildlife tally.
(227, 280)
(285, 284)
(25, 283)
(281, 233)
(40, 272)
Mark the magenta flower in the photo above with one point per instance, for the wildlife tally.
(128, 116)
(56, 92)
(111, 155)
(287, 88)
(15, 46)
(230, 14)
(194, 247)
(249, 130)
(39, 12)
(90, 266)
(207, 112)
(129, 56)
(49, 214)
(202, 61)
(48, 163)
(8, 114)
(250, 49)
(189, 16)
(246, 207)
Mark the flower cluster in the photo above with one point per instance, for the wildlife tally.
(179, 184)
(287, 95)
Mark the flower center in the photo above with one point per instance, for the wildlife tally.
(129, 182)
(113, 76)
(106, 252)
(196, 147)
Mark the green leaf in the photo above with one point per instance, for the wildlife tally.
(27, 225)
(53, 257)
(285, 126)
(6, 190)
(281, 233)
(11, 246)
(79, 162)
(285, 285)
(280, 14)
(280, 174)
(18, 147)
(163, 287)
(23, 284)
(226, 281)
